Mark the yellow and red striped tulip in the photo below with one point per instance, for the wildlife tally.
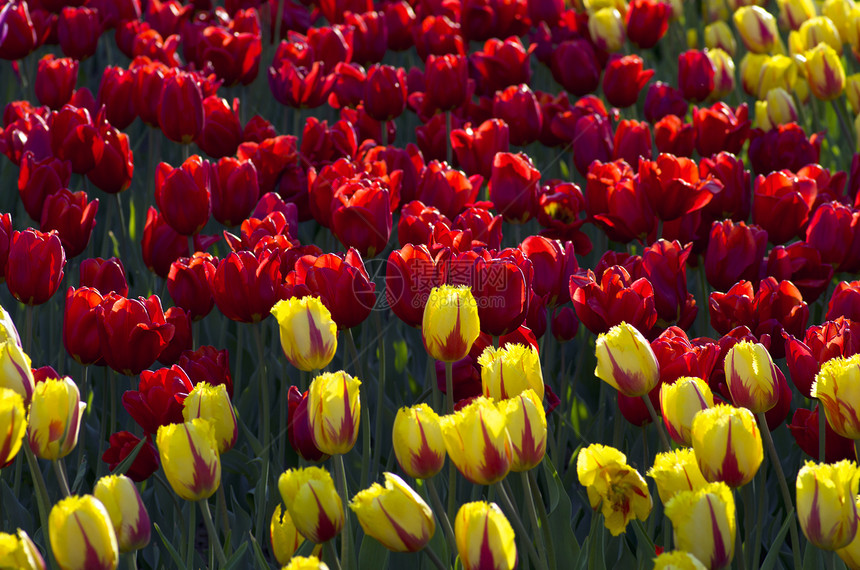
(837, 387)
(626, 362)
(825, 503)
(477, 440)
(704, 523)
(507, 371)
(18, 551)
(308, 333)
(418, 442)
(792, 13)
(15, 371)
(824, 72)
(676, 471)
(312, 500)
(450, 324)
(728, 444)
(485, 538)
(751, 377)
(850, 554)
(55, 418)
(284, 535)
(189, 456)
(334, 410)
(127, 514)
(212, 403)
(81, 535)
(678, 560)
(757, 28)
(719, 35)
(306, 563)
(679, 404)
(526, 421)
(13, 425)
(606, 27)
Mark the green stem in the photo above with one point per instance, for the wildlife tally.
(28, 330)
(443, 516)
(213, 534)
(380, 397)
(783, 487)
(761, 477)
(740, 552)
(103, 435)
(519, 526)
(449, 386)
(749, 510)
(544, 518)
(112, 382)
(131, 559)
(856, 447)
(332, 555)
(655, 419)
(346, 539)
(365, 410)
(530, 506)
(192, 535)
(222, 510)
(433, 558)
(42, 499)
(261, 492)
(61, 477)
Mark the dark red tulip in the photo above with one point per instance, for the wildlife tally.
(112, 172)
(39, 179)
(432, 137)
(74, 137)
(548, 11)
(733, 201)
(664, 265)
(674, 136)
(158, 399)
(122, 444)
(804, 428)
(115, 12)
(347, 89)
(623, 79)
(162, 245)
(466, 378)
(182, 194)
(299, 87)
(647, 22)
(167, 16)
(844, 301)
(447, 189)
(662, 99)
(19, 37)
(820, 343)
(721, 128)
(517, 107)
(560, 209)
(34, 269)
(222, 131)
(207, 364)
(564, 324)
(234, 190)
(105, 275)
(342, 284)
(182, 339)
(513, 186)
(369, 36)
(735, 252)
(258, 129)
(81, 327)
(486, 229)
(72, 217)
(399, 21)
(416, 223)
(673, 186)
(322, 144)
(361, 216)
(501, 64)
(55, 80)
(438, 35)
(188, 284)
(411, 273)
(180, 108)
(593, 141)
(782, 203)
(575, 66)
(78, 30)
(132, 332)
(616, 298)
(272, 158)
(234, 56)
(501, 289)
(446, 78)
(299, 431)
(335, 10)
(785, 147)
(695, 75)
(148, 80)
(616, 203)
(385, 92)
(801, 264)
(632, 142)
(5, 240)
(832, 232)
(678, 357)
(246, 286)
(553, 265)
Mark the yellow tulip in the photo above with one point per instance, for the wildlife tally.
(284, 535)
(508, 371)
(395, 515)
(718, 35)
(852, 31)
(850, 554)
(716, 10)
(839, 12)
(801, 89)
(679, 404)
(306, 563)
(477, 440)
(55, 418)
(704, 523)
(825, 503)
(615, 487)
(762, 120)
(757, 28)
(484, 537)
(778, 71)
(824, 72)
(418, 442)
(852, 92)
(334, 408)
(313, 502)
(189, 456)
(751, 67)
(308, 333)
(781, 109)
(606, 28)
(792, 13)
(678, 560)
(8, 332)
(820, 30)
(727, 444)
(127, 513)
(625, 361)
(13, 425)
(592, 6)
(724, 73)
(450, 324)
(212, 403)
(676, 471)
(837, 387)
(15, 372)
(81, 534)
(751, 377)
(526, 422)
(18, 551)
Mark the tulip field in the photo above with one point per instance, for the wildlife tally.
(430, 284)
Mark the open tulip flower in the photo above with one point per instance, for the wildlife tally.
(18, 551)
(189, 455)
(478, 442)
(835, 387)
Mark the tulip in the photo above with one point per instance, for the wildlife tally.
(734, 253)
(334, 411)
(825, 72)
(513, 186)
(343, 285)
(127, 513)
(159, 398)
(752, 377)
(18, 551)
(308, 333)
(72, 217)
(246, 285)
(213, 404)
(792, 13)
(508, 371)
(13, 425)
(284, 536)
(450, 324)
(395, 515)
(485, 538)
(189, 455)
(361, 216)
(757, 29)
(704, 523)
(624, 79)
(313, 503)
(385, 92)
(15, 371)
(501, 289)
(727, 444)
(718, 35)
(78, 31)
(815, 31)
(676, 471)
(80, 325)
(188, 284)
(647, 22)
(826, 503)
(306, 563)
(626, 362)
(677, 560)
(836, 386)
(446, 82)
(695, 75)
(121, 445)
(81, 535)
(180, 108)
(133, 332)
(299, 86)
(575, 66)
(182, 194)
(478, 442)
(55, 80)
(618, 489)
(55, 418)
(234, 190)
(418, 442)
(35, 266)
(680, 402)
(517, 106)
(19, 34)
(606, 28)
(724, 73)
(106, 275)
(526, 421)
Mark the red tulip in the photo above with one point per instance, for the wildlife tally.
(272, 158)
(39, 179)
(843, 301)
(416, 223)
(501, 64)
(222, 132)
(447, 77)
(615, 202)
(438, 35)
(81, 327)
(74, 137)
(369, 37)
(720, 128)
(513, 186)
(322, 144)
(19, 38)
(180, 108)
(553, 264)
(246, 286)
(517, 107)
(122, 444)
(735, 252)
(182, 194)
(342, 283)
(733, 201)
(361, 216)
(632, 142)
(560, 205)
(116, 12)
(673, 186)
(801, 264)
(181, 341)
(347, 88)
(804, 428)
(34, 269)
(188, 284)
(399, 21)
(647, 22)
(548, 11)
(78, 29)
(162, 245)
(55, 80)
(234, 190)
(72, 217)
(234, 56)
(832, 232)
(207, 364)
(486, 229)
(132, 332)
(695, 75)
(623, 79)
(616, 298)
(385, 92)
(678, 357)
(105, 275)
(410, 275)
(158, 399)
(501, 289)
(820, 343)
(592, 142)
(447, 189)
(5, 240)
(298, 427)
(300, 87)
(112, 172)
(664, 265)
(148, 81)
(673, 136)
(782, 203)
(661, 100)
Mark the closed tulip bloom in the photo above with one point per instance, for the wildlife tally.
(477, 440)
(618, 489)
(792, 13)
(526, 421)
(313, 502)
(395, 515)
(680, 402)
(82, 536)
(55, 418)
(18, 551)
(34, 269)
(824, 72)
(334, 409)
(127, 514)
(626, 362)
(727, 444)
(724, 73)
(704, 523)
(751, 376)
(781, 108)
(676, 471)
(485, 538)
(418, 442)
(695, 75)
(180, 108)
(826, 503)
(308, 333)
(285, 538)
(837, 387)
(213, 404)
(718, 35)
(509, 370)
(8, 331)
(678, 560)
(13, 425)
(189, 455)
(15, 371)
(305, 563)
(606, 27)
(757, 28)
(450, 324)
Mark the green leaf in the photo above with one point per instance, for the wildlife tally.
(123, 465)
(177, 559)
(566, 547)
(773, 553)
(13, 510)
(237, 557)
(565, 170)
(132, 221)
(372, 555)
(258, 552)
(79, 476)
(401, 355)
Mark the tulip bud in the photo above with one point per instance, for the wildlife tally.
(776, 72)
(680, 402)
(852, 92)
(189, 455)
(724, 73)
(704, 523)
(478, 442)
(837, 387)
(485, 538)
(792, 13)
(15, 371)
(751, 66)
(677, 560)
(13, 425)
(727, 444)
(526, 422)
(418, 443)
(308, 333)
(306, 563)
(815, 31)
(781, 109)
(626, 362)
(127, 513)
(55, 418)
(676, 471)
(825, 503)
(18, 551)
(824, 72)
(757, 28)
(333, 411)
(286, 540)
(509, 370)
(606, 28)
(395, 515)
(313, 502)
(719, 35)
(212, 403)
(81, 535)
(751, 376)
(450, 324)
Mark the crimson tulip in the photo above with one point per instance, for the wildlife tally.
(180, 107)
(299, 87)
(785, 147)
(616, 203)
(234, 190)
(782, 203)
(188, 283)
(446, 188)
(222, 132)
(735, 252)
(182, 194)
(299, 431)
(647, 22)
(182, 339)
(438, 35)
(673, 186)
(105, 275)
(78, 30)
(399, 20)
(234, 55)
(593, 142)
(208, 364)
(513, 186)
(632, 142)
(836, 338)
(721, 128)
(132, 332)
(55, 80)
(695, 75)
(369, 36)
(246, 286)
(804, 428)
(410, 275)
(614, 299)
(501, 64)
(81, 327)
(662, 99)
(446, 77)
(72, 217)
(673, 136)
(148, 80)
(113, 171)
(19, 37)
(518, 107)
(158, 399)
(832, 232)
(385, 92)
(121, 444)
(623, 79)
(801, 264)
(361, 216)
(38, 179)
(733, 201)
(417, 222)
(501, 289)
(74, 137)
(34, 268)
